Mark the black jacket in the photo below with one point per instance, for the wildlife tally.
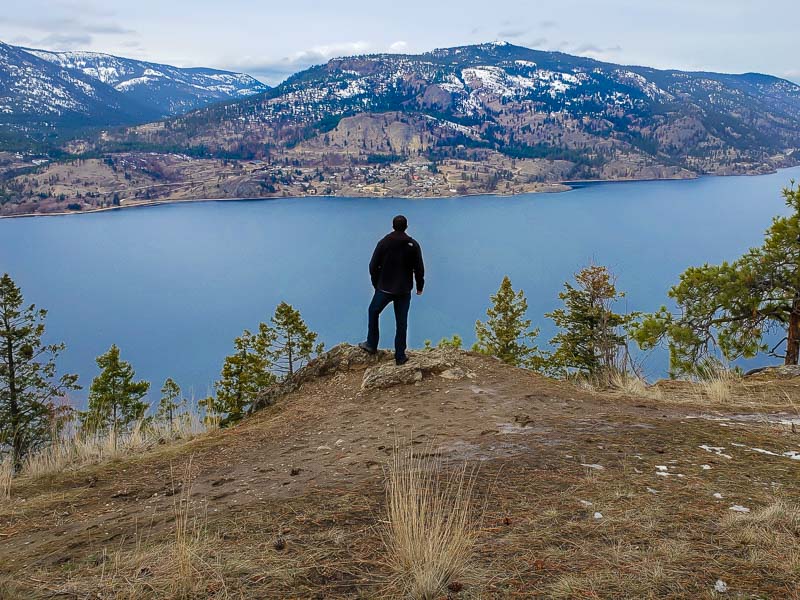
(396, 262)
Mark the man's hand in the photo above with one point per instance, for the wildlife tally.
(419, 292)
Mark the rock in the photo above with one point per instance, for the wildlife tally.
(389, 375)
(454, 373)
(380, 370)
(344, 357)
(781, 372)
(419, 366)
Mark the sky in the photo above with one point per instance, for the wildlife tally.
(271, 40)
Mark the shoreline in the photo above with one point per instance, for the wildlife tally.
(569, 185)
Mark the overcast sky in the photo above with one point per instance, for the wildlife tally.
(271, 40)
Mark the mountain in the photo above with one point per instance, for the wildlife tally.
(520, 102)
(33, 89)
(57, 93)
(491, 118)
(170, 90)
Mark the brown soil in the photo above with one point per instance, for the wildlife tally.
(309, 470)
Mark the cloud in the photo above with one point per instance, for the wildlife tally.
(793, 75)
(398, 46)
(539, 42)
(589, 50)
(64, 41)
(275, 71)
(54, 26)
(548, 24)
(512, 33)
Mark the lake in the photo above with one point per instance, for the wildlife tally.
(172, 285)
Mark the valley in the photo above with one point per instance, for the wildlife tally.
(483, 119)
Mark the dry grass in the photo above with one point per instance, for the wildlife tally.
(431, 524)
(6, 477)
(769, 536)
(187, 565)
(717, 386)
(634, 385)
(72, 450)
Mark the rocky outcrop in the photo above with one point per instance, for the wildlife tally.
(343, 357)
(380, 371)
(778, 372)
(420, 365)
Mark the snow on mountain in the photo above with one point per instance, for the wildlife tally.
(170, 90)
(32, 88)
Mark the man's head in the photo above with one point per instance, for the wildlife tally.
(400, 223)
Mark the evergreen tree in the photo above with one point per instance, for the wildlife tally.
(29, 387)
(454, 342)
(293, 342)
(732, 307)
(245, 373)
(170, 403)
(592, 335)
(506, 333)
(115, 399)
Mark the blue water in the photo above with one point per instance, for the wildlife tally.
(173, 285)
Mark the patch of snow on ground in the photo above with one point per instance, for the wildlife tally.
(739, 508)
(715, 450)
(593, 466)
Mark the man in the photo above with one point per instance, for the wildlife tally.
(395, 264)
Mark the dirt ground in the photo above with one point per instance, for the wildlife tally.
(584, 495)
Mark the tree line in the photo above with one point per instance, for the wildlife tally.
(33, 408)
(721, 312)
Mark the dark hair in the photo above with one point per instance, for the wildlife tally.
(399, 223)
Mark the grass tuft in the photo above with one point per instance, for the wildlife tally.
(431, 524)
(6, 477)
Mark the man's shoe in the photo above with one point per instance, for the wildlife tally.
(401, 361)
(365, 347)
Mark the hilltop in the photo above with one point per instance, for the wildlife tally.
(651, 493)
(47, 96)
(488, 118)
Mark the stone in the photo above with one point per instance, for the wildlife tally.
(781, 371)
(453, 373)
(337, 360)
(380, 371)
(419, 366)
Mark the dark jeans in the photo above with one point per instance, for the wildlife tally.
(401, 302)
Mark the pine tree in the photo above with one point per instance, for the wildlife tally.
(293, 342)
(732, 307)
(592, 335)
(115, 399)
(454, 342)
(29, 387)
(506, 333)
(170, 403)
(245, 373)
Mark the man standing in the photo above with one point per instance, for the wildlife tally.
(395, 264)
